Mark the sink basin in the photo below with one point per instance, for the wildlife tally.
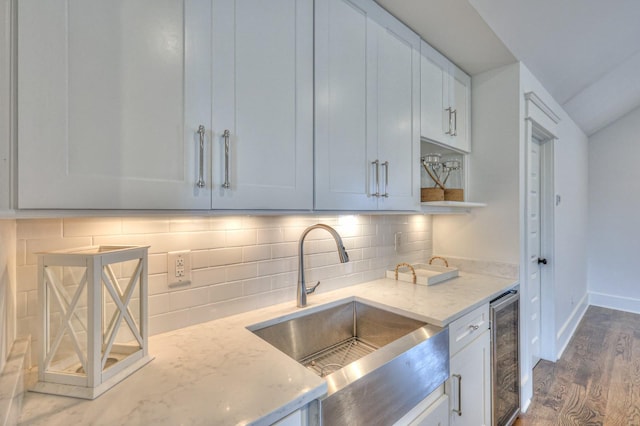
(378, 364)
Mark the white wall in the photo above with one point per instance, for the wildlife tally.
(496, 168)
(569, 293)
(614, 208)
(7, 288)
(239, 263)
(6, 151)
(490, 233)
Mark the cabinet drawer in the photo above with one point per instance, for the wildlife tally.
(463, 330)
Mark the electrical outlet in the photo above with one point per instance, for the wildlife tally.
(179, 268)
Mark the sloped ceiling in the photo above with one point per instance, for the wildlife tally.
(585, 52)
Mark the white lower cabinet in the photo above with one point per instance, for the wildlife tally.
(293, 419)
(431, 411)
(470, 383)
(308, 415)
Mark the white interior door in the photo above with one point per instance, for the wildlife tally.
(534, 245)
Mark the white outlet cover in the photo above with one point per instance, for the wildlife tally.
(179, 268)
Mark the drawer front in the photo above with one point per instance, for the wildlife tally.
(463, 330)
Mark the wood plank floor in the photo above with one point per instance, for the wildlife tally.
(597, 380)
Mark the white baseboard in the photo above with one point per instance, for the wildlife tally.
(611, 301)
(12, 382)
(569, 327)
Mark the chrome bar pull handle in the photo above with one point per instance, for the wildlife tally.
(377, 164)
(227, 182)
(201, 183)
(386, 179)
(459, 410)
(455, 122)
(448, 132)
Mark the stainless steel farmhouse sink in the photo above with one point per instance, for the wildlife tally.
(378, 364)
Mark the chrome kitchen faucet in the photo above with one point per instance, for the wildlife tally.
(303, 290)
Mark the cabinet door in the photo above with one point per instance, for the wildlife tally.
(111, 94)
(470, 384)
(460, 100)
(263, 95)
(342, 157)
(434, 95)
(397, 72)
(367, 108)
(436, 415)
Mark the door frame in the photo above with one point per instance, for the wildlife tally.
(540, 122)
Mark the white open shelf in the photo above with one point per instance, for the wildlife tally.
(449, 207)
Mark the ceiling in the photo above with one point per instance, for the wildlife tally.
(585, 52)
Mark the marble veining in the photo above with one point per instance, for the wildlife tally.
(221, 373)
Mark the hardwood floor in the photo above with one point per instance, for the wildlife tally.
(597, 380)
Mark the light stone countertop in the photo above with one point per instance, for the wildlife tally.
(219, 373)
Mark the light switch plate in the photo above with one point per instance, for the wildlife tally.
(179, 268)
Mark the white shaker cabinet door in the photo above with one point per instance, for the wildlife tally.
(397, 120)
(460, 96)
(434, 95)
(343, 158)
(470, 384)
(111, 96)
(445, 101)
(263, 97)
(367, 108)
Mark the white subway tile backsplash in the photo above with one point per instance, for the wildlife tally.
(221, 292)
(277, 266)
(199, 259)
(269, 236)
(157, 263)
(58, 243)
(159, 304)
(241, 237)
(256, 253)
(157, 284)
(284, 250)
(225, 223)
(257, 285)
(21, 304)
(27, 277)
(32, 303)
(208, 276)
(225, 256)
(242, 272)
(188, 224)
(188, 298)
(21, 252)
(138, 225)
(167, 322)
(29, 229)
(238, 263)
(286, 280)
(86, 227)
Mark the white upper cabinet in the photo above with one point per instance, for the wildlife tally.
(367, 108)
(445, 101)
(263, 97)
(111, 95)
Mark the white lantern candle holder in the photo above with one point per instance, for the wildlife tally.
(93, 319)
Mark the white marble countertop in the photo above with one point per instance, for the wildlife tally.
(219, 373)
